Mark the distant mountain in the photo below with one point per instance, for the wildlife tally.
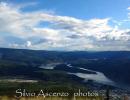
(39, 55)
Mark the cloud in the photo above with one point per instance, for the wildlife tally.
(128, 8)
(45, 30)
(29, 43)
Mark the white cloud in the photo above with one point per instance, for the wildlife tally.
(29, 44)
(62, 32)
(128, 8)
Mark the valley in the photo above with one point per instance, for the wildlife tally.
(63, 71)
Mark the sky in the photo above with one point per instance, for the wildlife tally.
(73, 25)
